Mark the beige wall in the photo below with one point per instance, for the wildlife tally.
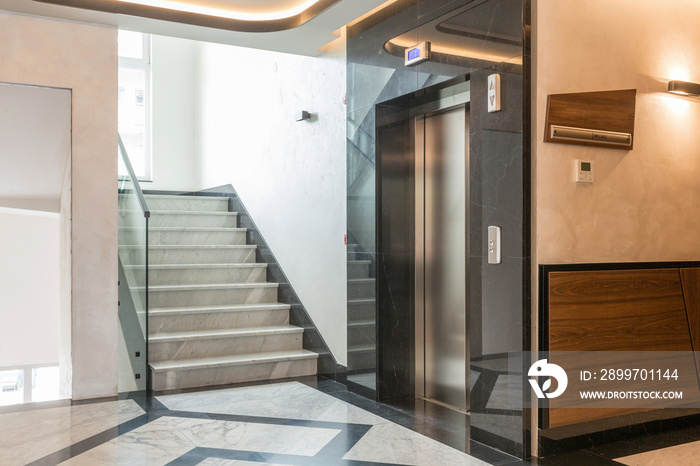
(645, 203)
(82, 58)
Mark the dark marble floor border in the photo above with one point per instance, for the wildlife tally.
(197, 455)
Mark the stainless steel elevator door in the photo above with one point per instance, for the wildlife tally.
(445, 257)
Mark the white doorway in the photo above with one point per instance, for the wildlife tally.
(35, 238)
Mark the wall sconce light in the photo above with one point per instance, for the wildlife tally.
(684, 88)
(303, 115)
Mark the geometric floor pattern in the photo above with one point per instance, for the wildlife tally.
(285, 423)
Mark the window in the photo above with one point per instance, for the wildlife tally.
(134, 101)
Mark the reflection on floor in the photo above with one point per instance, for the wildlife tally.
(278, 423)
(679, 455)
(677, 448)
(368, 380)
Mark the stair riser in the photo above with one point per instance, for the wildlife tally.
(358, 271)
(203, 276)
(198, 256)
(361, 335)
(173, 380)
(361, 290)
(362, 360)
(202, 221)
(230, 346)
(186, 238)
(364, 311)
(358, 256)
(221, 297)
(218, 320)
(198, 205)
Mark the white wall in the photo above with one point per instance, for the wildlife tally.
(82, 58)
(34, 146)
(175, 166)
(290, 175)
(29, 288)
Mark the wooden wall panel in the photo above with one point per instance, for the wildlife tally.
(617, 310)
(605, 110)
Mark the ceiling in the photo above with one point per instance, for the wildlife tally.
(301, 27)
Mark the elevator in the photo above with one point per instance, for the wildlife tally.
(441, 130)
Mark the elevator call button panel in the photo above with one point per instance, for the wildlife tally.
(494, 251)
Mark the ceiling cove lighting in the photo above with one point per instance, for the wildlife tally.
(225, 12)
(684, 88)
(230, 15)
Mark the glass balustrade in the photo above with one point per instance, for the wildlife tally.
(133, 281)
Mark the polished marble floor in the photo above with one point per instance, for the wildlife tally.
(307, 421)
(291, 422)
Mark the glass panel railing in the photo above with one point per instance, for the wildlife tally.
(133, 281)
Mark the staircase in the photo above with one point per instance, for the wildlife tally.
(362, 347)
(213, 318)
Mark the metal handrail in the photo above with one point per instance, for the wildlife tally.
(130, 169)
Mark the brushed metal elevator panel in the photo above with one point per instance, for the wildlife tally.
(444, 257)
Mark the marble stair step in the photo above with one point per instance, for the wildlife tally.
(200, 274)
(216, 317)
(211, 295)
(358, 269)
(361, 332)
(201, 254)
(190, 203)
(223, 342)
(186, 236)
(361, 288)
(187, 218)
(361, 357)
(362, 309)
(176, 218)
(352, 252)
(189, 373)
